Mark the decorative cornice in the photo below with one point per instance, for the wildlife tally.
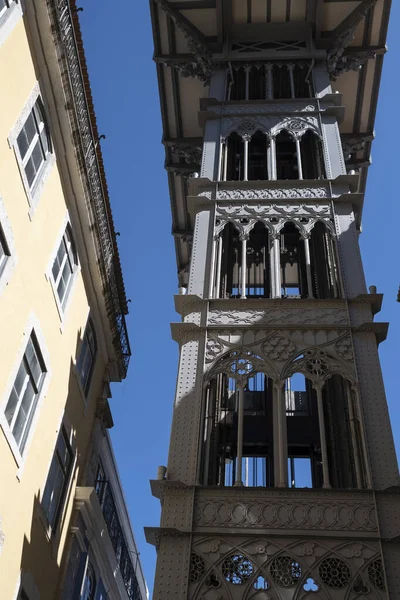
(67, 35)
(342, 36)
(190, 154)
(201, 66)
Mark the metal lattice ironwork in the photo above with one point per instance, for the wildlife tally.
(334, 572)
(118, 542)
(197, 567)
(375, 574)
(97, 201)
(285, 571)
(237, 569)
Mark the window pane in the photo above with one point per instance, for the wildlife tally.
(87, 355)
(26, 135)
(48, 494)
(30, 171)
(64, 451)
(37, 156)
(11, 405)
(64, 281)
(54, 491)
(16, 392)
(55, 495)
(34, 365)
(23, 414)
(58, 260)
(34, 164)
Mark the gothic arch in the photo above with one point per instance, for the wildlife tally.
(296, 127)
(296, 222)
(318, 365)
(230, 362)
(247, 126)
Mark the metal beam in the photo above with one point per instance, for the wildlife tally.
(220, 21)
(193, 4)
(311, 11)
(349, 24)
(182, 22)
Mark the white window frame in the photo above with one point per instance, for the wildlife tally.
(20, 458)
(62, 307)
(34, 191)
(9, 17)
(8, 266)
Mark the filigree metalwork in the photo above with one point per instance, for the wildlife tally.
(240, 365)
(317, 365)
(197, 567)
(213, 349)
(285, 571)
(237, 569)
(334, 572)
(278, 348)
(273, 193)
(344, 348)
(375, 574)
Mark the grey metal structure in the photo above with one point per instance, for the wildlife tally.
(282, 481)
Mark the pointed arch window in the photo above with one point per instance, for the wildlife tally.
(292, 259)
(312, 158)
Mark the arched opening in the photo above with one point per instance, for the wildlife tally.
(292, 257)
(304, 454)
(258, 157)
(312, 157)
(257, 263)
(286, 157)
(235, 158)
(220, 451)
(323, 263)
(231, 263)
(344, 467)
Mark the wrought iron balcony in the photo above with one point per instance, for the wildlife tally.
(123, 555)
(66, 29)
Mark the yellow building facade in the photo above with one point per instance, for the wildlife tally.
(62, 299)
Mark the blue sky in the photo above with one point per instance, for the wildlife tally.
(119, 48)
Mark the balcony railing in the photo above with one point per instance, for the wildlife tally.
(65, 22)
(115, 532)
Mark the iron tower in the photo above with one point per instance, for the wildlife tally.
(282, 479)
